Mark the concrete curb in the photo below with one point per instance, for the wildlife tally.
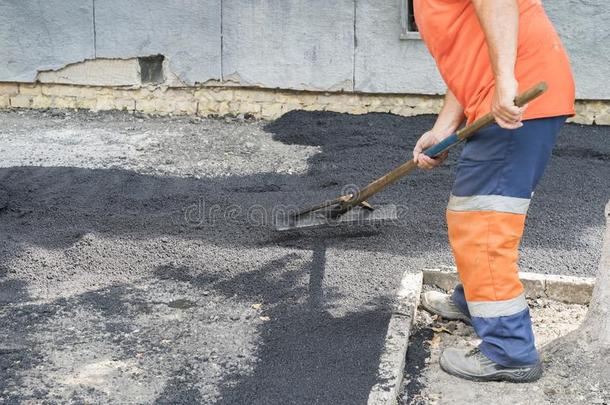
(393, 355)
(567, 289)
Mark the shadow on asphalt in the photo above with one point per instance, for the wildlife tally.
(417, 356)
(20, 349)
(305, 354)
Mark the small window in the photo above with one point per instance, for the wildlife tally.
(407, 21)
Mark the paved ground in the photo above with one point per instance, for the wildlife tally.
(137, 262)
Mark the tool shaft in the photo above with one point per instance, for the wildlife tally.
(407, 167)
(521, 100)
(323, 204)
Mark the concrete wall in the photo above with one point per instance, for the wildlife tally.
(40, 35)
(187, 32)
(289, 44)
(386, 64)
(584, 28)
(350, 45)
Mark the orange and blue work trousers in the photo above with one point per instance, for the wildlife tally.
(497, 173)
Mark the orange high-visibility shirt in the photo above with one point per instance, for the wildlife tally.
(455, 38)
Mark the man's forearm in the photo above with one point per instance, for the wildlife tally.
(451, 115)
(500, 22)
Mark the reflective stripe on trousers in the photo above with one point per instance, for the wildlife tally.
(496, 176)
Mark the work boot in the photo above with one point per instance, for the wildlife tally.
(441, 304)
(474, 365)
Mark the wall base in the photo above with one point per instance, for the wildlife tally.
(224, 100)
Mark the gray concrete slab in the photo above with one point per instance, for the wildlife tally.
(583, 29)
(383, 62)
(37, 35)
(289, 44)
(187, 32)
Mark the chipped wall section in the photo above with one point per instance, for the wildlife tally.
(97, 72)
(186, 32)
(133, 72)
(41, 36)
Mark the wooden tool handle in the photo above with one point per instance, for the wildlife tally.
(323, 204)
(521, 100)
(436, 150)
(482, 122)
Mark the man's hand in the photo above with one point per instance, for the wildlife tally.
(449, 119)
(503, 107)
(427, 140)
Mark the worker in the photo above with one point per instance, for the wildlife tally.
(488, 52)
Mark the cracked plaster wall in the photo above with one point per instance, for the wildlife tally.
(289, 44)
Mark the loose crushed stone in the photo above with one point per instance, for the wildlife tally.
(138, 264)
